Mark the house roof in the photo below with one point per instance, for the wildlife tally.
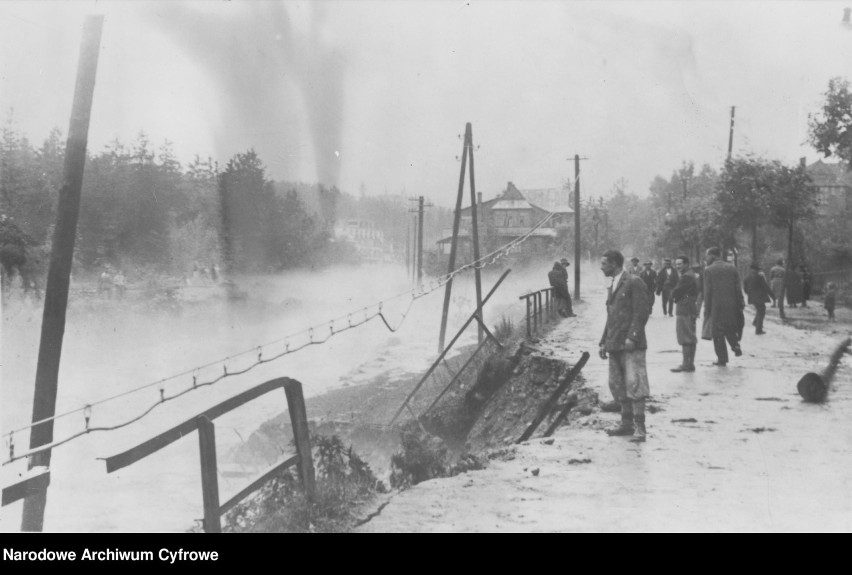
(830, 174)
(546, 199)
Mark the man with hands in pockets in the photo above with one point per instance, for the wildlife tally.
(624, 344)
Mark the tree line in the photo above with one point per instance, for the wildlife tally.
(142, 210)
(758, 207)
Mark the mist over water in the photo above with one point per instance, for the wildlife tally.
(114, 346)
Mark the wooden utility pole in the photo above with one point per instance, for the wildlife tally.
(576, 227)
(731, 134)
(730, 152)
(475, 233)
(408, 247)
(454, 244)
(59, 271)
(420, 240)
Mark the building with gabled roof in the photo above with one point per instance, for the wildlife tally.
(834, 182)
(507, 217)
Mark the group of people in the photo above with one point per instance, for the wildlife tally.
(112, 283)
(630, 299)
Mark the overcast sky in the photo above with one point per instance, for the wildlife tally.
(376, 93)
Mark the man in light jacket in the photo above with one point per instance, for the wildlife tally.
(623, 342)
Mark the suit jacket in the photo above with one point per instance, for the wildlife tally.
(666, 279)
(756, 287)
(684, 295)
(559, 282)
(627, 313)
(649, 276)
(723, 299)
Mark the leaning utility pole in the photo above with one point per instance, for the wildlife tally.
(576, 227)
(59, 271)
(467, 151)
(475, 235)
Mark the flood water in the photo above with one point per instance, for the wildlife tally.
(112, 347)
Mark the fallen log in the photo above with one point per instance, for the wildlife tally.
(813, 387)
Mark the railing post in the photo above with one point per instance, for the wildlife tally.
(537, 310)
(529, 335)
(209, 477)
(299, 420)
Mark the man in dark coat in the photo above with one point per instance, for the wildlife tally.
(699, 282)
(569, 307)
(723, 305)
(758, 292)
(558, 281)
(666, 282)
(649, 276)
(805, 273)
(686, 312)
(624, 340)
(793, 287)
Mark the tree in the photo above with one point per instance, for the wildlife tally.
(830, 130)
(743, 192)
(794, 199)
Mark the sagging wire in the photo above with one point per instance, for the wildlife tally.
(416, 293)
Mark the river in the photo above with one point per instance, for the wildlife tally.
(112, 347)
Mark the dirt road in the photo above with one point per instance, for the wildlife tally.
(729, 449)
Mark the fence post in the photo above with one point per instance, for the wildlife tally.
(299, 420)
(529, 334)
(209, 477)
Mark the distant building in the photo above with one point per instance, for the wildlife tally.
(368, 240)
(834, 182)
(511, 215)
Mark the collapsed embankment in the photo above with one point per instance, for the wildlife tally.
(483, 407)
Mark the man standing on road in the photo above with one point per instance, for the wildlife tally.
(666, 281)
(569, 307)
(758, 291)
(624, 339)
(649, 276)
(684, 295)
(634, 268)
(557, 280)
(723, 304)
(776, 279)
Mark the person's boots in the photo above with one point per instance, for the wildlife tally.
(639, 421)
(690, 357)
(626, 427)
(682, 366)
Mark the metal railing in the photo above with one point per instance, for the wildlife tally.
(203, 422)
(538, 312)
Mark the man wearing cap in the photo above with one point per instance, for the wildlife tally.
(666, 282)
(568, 307)
(758, 291)
(649, 276)
(684, 295)
(723, 304)
(624, 343)
(634, 269)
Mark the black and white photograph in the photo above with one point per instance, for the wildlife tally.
(424, 266)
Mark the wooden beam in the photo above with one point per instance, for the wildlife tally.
(165, 438)
(35, 483)
(257, 484)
